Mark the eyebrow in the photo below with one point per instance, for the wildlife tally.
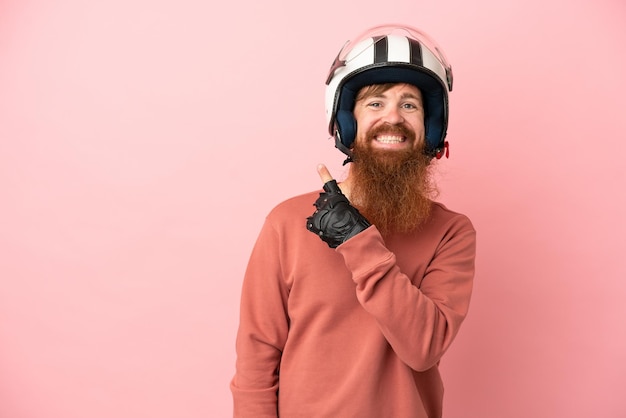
(410, 96)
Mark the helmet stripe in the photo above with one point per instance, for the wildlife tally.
(380, 49)
(416, 52)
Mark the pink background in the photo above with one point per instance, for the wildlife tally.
(143, 142)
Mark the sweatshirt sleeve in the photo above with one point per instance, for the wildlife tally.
(418, 316)
(262, 331)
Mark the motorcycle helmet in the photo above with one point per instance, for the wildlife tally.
(389, 54)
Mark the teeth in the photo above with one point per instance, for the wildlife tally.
(388, 139)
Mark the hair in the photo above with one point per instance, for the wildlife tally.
(373, 90)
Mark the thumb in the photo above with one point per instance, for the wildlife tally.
(324, 173)
(330, 185)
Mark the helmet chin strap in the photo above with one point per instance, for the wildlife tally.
(341, 147)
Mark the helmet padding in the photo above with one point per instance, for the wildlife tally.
(435, 117)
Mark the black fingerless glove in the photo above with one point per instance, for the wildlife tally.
(335, 220)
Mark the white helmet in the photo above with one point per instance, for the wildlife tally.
(389, 54)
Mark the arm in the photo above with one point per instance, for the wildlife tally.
(262, 331)
(419, 318)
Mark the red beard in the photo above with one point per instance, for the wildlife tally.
(392, 188)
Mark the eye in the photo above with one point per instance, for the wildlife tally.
(409, 106)
(375, 104)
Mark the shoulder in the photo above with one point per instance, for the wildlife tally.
(292, 211)
(285, 223)
(299, 203)
(442, 216)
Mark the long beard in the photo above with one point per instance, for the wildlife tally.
(392, 189)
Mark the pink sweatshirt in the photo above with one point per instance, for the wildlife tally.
(356, 331)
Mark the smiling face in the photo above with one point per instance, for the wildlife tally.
(390, 117)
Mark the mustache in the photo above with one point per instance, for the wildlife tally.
(391, 130)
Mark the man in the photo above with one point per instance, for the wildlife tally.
(347, 311)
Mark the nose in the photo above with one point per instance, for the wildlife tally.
(393, 116)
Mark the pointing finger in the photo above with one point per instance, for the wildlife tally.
(324, 173)
(330, 184)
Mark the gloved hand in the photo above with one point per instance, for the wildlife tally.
(335, 220)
